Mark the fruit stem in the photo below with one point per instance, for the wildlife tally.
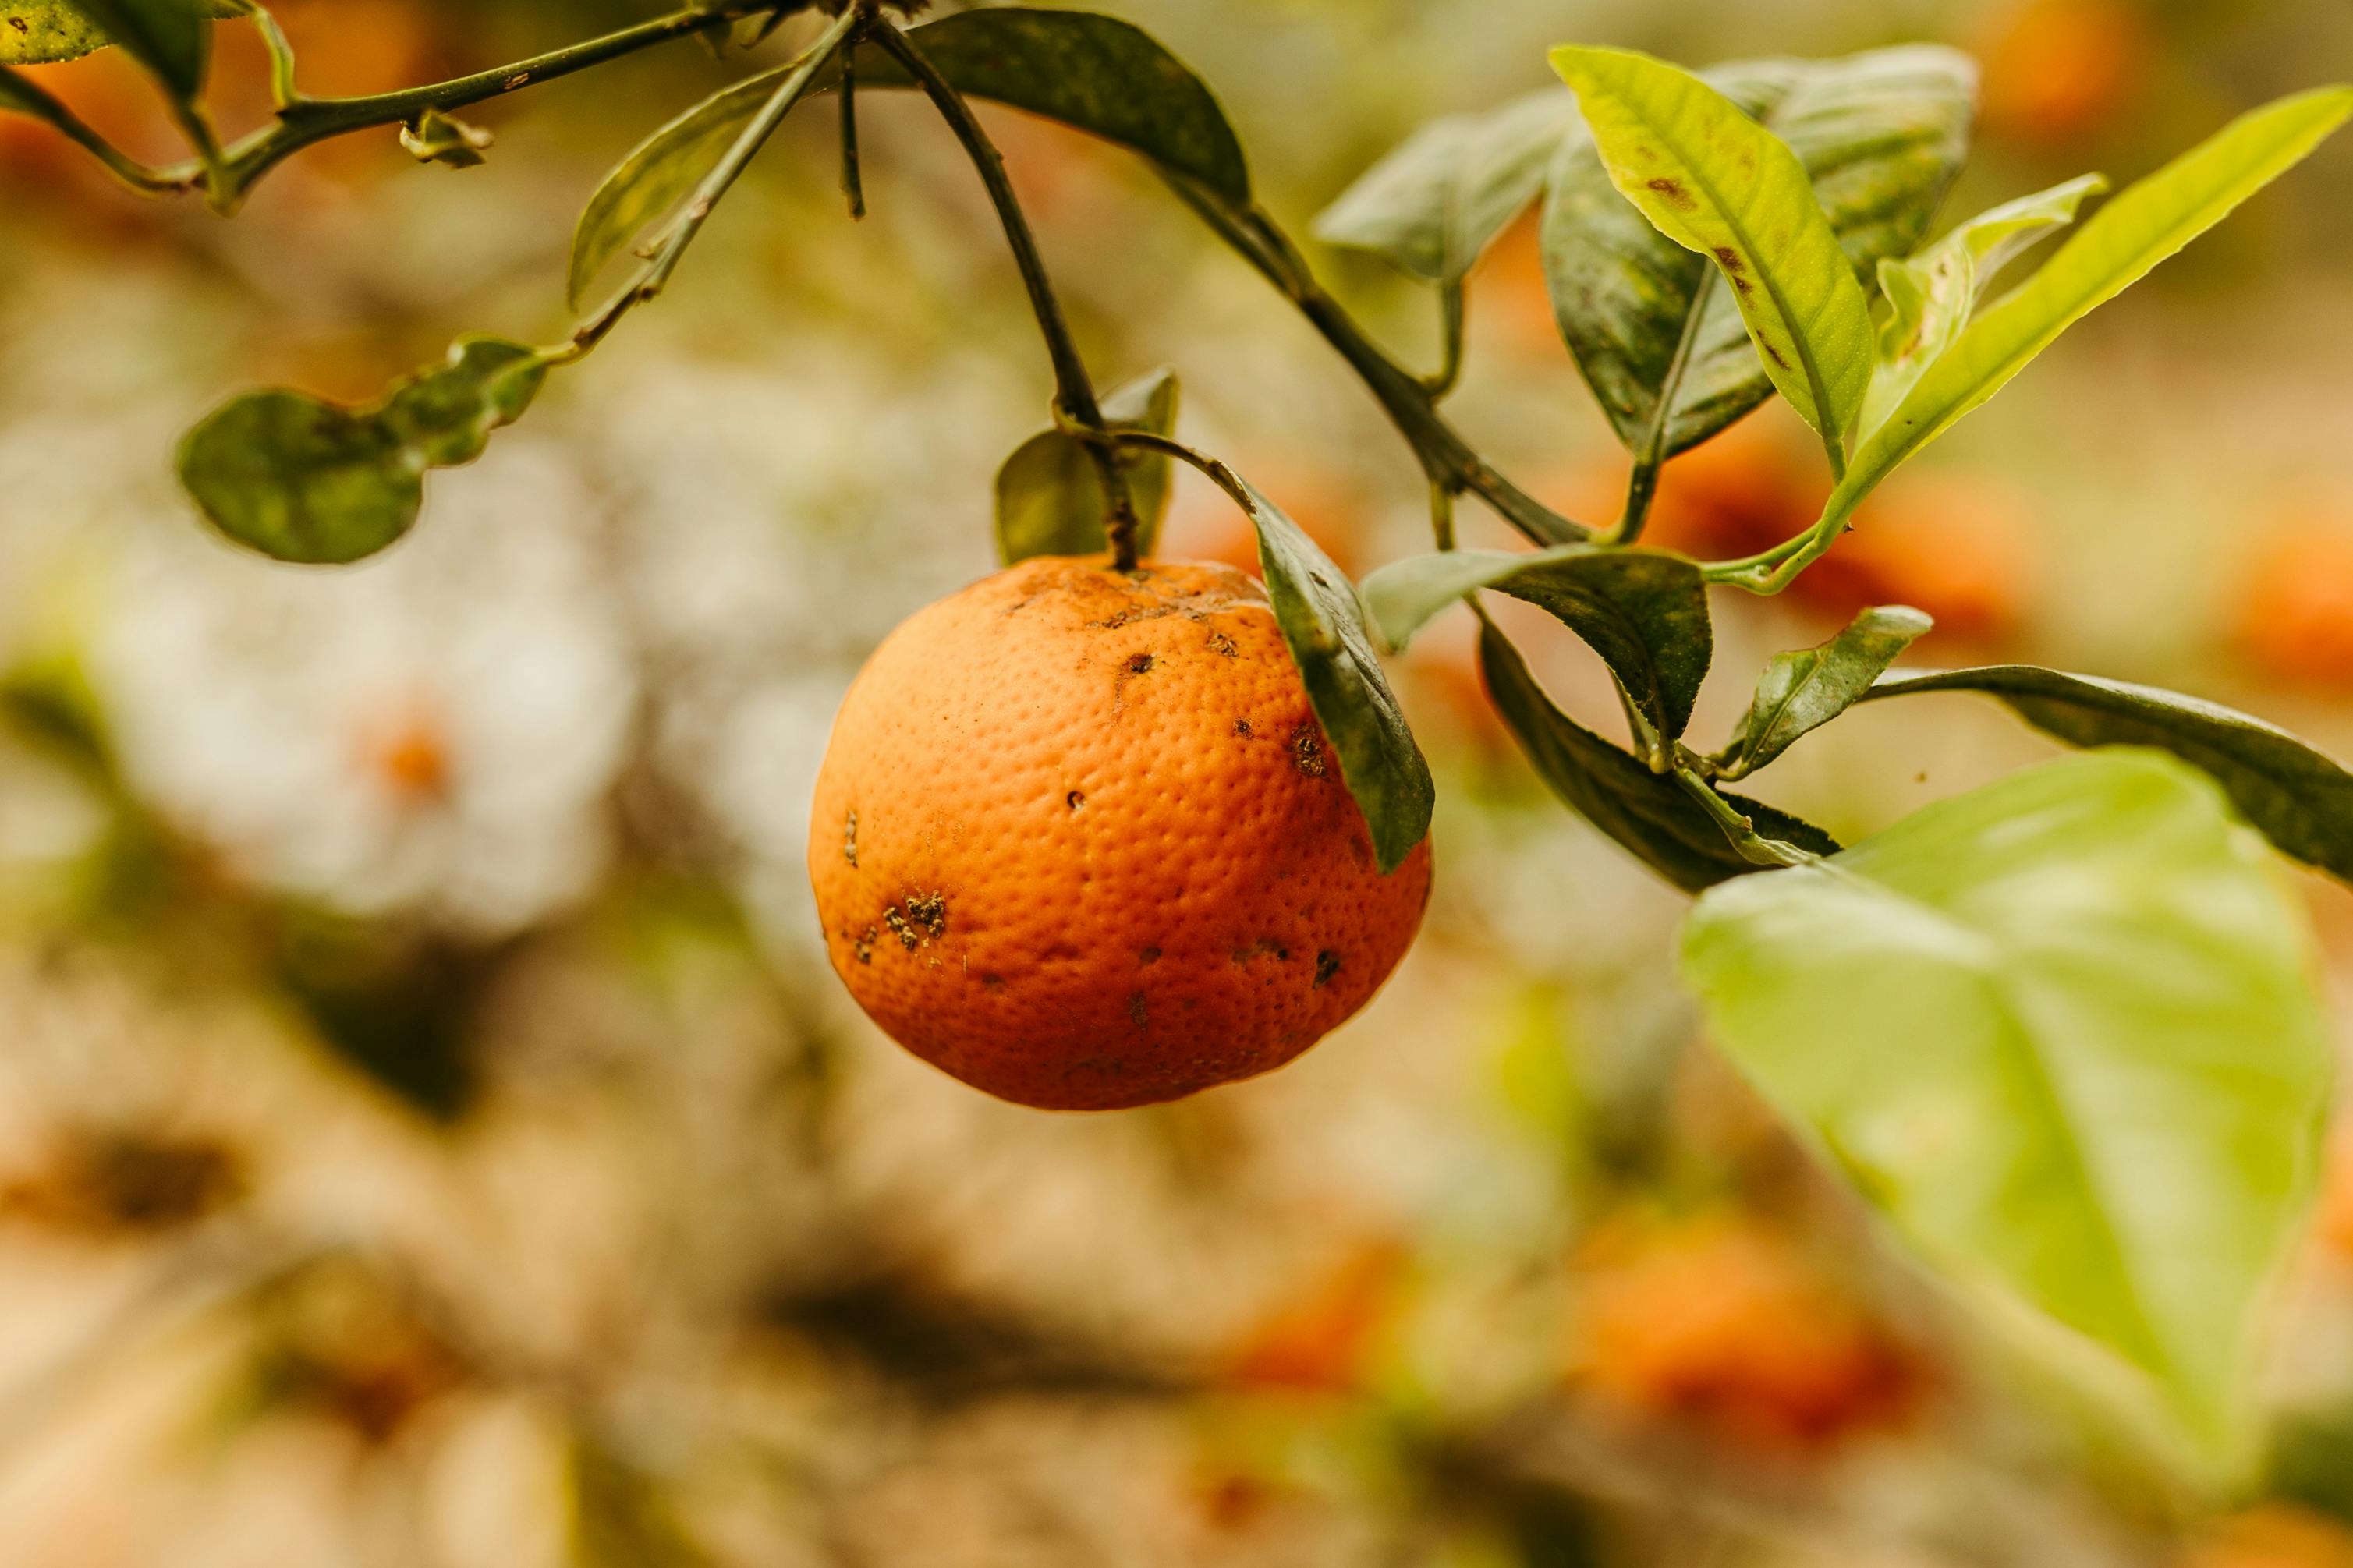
(1074, 393)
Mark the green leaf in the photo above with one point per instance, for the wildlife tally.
(1800, 692)
(1716, 181)
(1323, 625)
(1643, 611)
(2064, 1032)
(1049, 495)
(1432, 207)
(1647, 813)
(1931, 296)
(45, 32)
(304, 480)
(1881, 134)
(2301, 800)
(1095, 73)
(2121, 243)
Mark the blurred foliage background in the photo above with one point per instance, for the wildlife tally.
(429, 1133)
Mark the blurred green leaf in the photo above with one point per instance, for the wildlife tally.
(2311, 1460)
(398, 1005)
(173, 38)
(1643, 611)
(1049, 495)
(1717, 183)
(1324, 624)
(2064, 1031)
(1647, 813)
(44, 32)
(305, 480)
(621, 1517)
(1931, 296)
(1800, 692)
(2301, 800)
(2121, 243)
(1432, 207)
(1654, 331)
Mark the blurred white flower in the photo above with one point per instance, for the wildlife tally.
(431, 733)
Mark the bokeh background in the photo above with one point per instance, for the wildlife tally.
(429, 1134)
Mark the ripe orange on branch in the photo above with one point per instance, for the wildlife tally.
(1079, 840)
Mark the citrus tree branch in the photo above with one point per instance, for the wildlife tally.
(1074, 391)
(306, 121)
(655, 275)
(1445, 456)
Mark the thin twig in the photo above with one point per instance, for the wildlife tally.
(655, 275)
(1074, 391)
(1445, 456)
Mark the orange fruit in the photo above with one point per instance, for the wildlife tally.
(1079, 841)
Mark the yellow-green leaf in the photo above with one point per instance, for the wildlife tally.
(44, 32)
(1716, 181)
(2064, 1032)
(1931, 296)
(2120, 244)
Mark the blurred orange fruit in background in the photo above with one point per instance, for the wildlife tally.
(1723, 1322)
(2057, 71)
(1080, 841)
(1204, 524)
(2274, 1536)
(2293, 619)
(1954, 543)
(1324, 1342)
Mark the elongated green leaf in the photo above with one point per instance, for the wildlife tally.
(44, 32)
(1881, 134)
(661, 171)
(1643, 611)
(1323, 625)
(1049, 495)
(1716, 181)
(1930, 296)
(1648, 814)
(1799, 692)
(1432, 207)
(2064, 1032)
(1095, 73)
(2301, 799)
(2121, 243)
(303, 480)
